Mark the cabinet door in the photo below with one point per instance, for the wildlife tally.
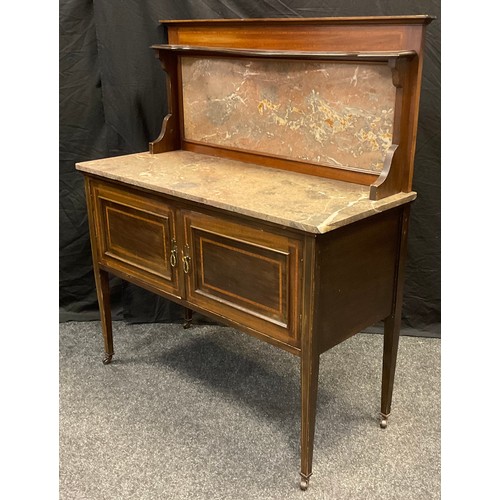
(136, 235)
(241, 272)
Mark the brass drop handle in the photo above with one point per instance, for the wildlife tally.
(173, 254)
(186, 259)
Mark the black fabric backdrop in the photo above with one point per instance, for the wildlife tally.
(112, 102)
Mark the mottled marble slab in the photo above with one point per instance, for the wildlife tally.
(330, 113)
(305, 202)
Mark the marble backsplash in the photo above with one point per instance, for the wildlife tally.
(330, 113)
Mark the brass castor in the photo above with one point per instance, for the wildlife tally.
(107, 358)
(304, 481)
(383, 421)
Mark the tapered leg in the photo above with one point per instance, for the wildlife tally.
(102, 287)
(309, 369)
(188, 317)
(391, 342)
(101, 279)
(392, 325)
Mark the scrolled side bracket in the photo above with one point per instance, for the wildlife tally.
(389, 180)
(166, 141)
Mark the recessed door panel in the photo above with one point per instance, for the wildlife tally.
(243, 273)
(137, 235)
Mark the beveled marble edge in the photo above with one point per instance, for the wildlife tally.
(368, 208)
(356, 207)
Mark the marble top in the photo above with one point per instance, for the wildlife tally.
(305, 202)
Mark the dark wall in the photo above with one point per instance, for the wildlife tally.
(112, 102)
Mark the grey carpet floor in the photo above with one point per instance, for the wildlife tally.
(211, 413)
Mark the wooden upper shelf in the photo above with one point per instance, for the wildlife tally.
(413, 19)
(287, 54)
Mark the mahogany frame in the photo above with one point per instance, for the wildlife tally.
(341, 287)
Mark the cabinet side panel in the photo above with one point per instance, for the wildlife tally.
(356, 275)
